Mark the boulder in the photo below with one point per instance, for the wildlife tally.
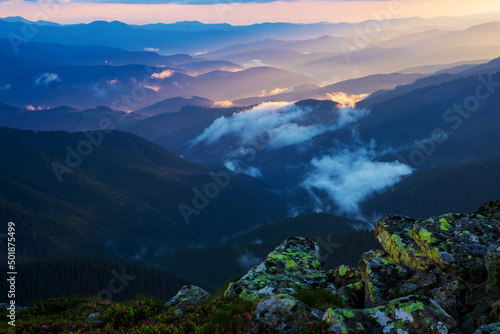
(455, 243)
(381, 277)
(344, 275)
(394, 234)
(425, 278)
(292, 266)
(490, 209)
(411, 314)
(449, 298)
(493, 268)
(187, 295)
(352, 295)
(481, 315)
(489, 329)
(283, 314)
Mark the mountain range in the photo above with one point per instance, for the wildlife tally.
(180, 148)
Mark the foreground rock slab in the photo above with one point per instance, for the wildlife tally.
(455, 243)
(411, 314)
(292, 266)
(283, 314)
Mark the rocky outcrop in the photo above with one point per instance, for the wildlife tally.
(438, 275)
(412, 314)
(382, 278)
(283, 314)
(453, 258)
(292, 266)
(493, 268)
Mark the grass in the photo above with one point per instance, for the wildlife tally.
(319, 299)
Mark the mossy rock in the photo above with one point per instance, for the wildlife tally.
(292, 266)
(283, 314)
(493, 268)
(382, 278)
(394, 234)
(344, 275)
(188, 296)
(412, 314)
(455, 243)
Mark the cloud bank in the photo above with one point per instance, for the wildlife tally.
(276, 125)
(338, 180)
(349, 176)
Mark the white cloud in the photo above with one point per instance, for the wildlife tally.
(44, 79)
(277, 124)
(151, 50)
(350, 176)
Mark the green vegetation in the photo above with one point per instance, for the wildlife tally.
(85, 314)
(90, 314)
(319, 299)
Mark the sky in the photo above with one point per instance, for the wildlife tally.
(237, 13)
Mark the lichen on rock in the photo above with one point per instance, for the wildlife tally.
(411, 314)
(381, 277)
(455, 243)
(344, 275)
(293, 265)
(283, 314)
(188, 295)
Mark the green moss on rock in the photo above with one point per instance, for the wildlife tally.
(292, 266)
(410, 314)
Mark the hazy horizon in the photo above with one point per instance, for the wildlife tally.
(239, 13)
